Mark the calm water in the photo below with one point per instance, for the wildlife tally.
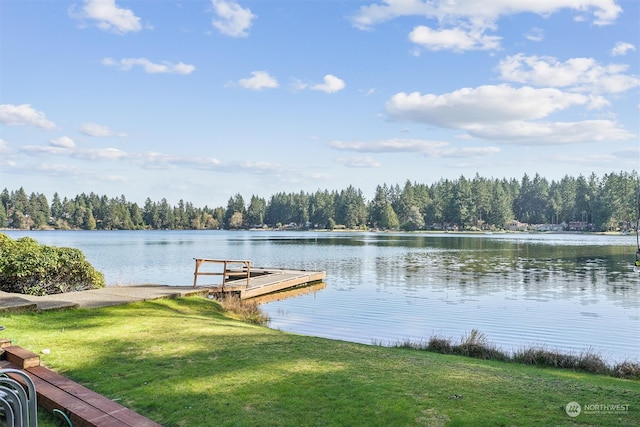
(567, 292)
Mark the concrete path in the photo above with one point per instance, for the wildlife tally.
(111, 295)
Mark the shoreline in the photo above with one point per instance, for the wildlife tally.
(344, 230)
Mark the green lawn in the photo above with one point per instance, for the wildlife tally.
(183, 363)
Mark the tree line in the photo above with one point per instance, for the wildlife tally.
(606, 203)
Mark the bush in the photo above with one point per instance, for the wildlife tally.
(627, 369)
(27, 267)
(475, 344)
(439, 345)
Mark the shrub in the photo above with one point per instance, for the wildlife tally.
(27, 267)
(627, 369)
(439, 345)
(587, 361)
(475, 344)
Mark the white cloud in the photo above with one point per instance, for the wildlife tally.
(39, 149)
(390, 146)
(155, 160)
(259, 167)
(506, 114)
(150, 160)
(370, 15)
(24, 114)
(259, 80)
(101, 154)
(149, 67)
(63, 142)
(535, 34)
(330, 84)
(579, 74)
(421, 146)
(480, 12)
(63, 148)
(94, 129)
(470, 152)
(232, 19)
(622, 48)
(484, 104)
(548, 133)
(628, 153)
(4, 146)
(359, 162)
(56, 169)
(109, 16)
(456, 39)
(464, 23)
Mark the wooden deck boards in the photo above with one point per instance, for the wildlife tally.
(83, 406)
(269, 280)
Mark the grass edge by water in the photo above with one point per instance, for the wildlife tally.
(198, 362)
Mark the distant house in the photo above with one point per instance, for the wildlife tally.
(550, 227)
(516, 225)
(580, 226)
(443, 226)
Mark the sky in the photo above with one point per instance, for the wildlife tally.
(202, 100)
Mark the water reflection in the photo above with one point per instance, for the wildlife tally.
(564, 291)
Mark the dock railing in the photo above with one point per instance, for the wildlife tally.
(242, 269)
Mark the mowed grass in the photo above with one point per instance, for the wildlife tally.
(184, 363)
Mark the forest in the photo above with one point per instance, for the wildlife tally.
(607, 203)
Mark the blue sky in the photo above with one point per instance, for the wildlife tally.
(200, 100)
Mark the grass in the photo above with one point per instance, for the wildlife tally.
(185, 363)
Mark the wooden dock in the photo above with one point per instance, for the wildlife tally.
(80, 405)
(250, 282)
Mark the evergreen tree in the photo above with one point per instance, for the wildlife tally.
(56, 207)
(322, 208)
(481, 196)
(378, 206)
(135, 213)
(301, 209)
(256, 211)
(389, 219)
(165, 215)
(5, 198)
(464, 212)
(3, 216)
(150, 214)
(38, 210)
(500, 212)
(351, 210)
(415, 220)
(89, 221)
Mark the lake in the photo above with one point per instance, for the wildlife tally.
(569, 292)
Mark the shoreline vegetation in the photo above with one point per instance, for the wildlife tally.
(608, 203)
(201, 367)
(474, 344)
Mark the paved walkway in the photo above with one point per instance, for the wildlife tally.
(111, 295)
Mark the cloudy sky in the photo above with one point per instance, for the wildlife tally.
(200, 100)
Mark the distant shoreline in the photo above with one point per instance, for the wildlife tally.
(347, 230)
